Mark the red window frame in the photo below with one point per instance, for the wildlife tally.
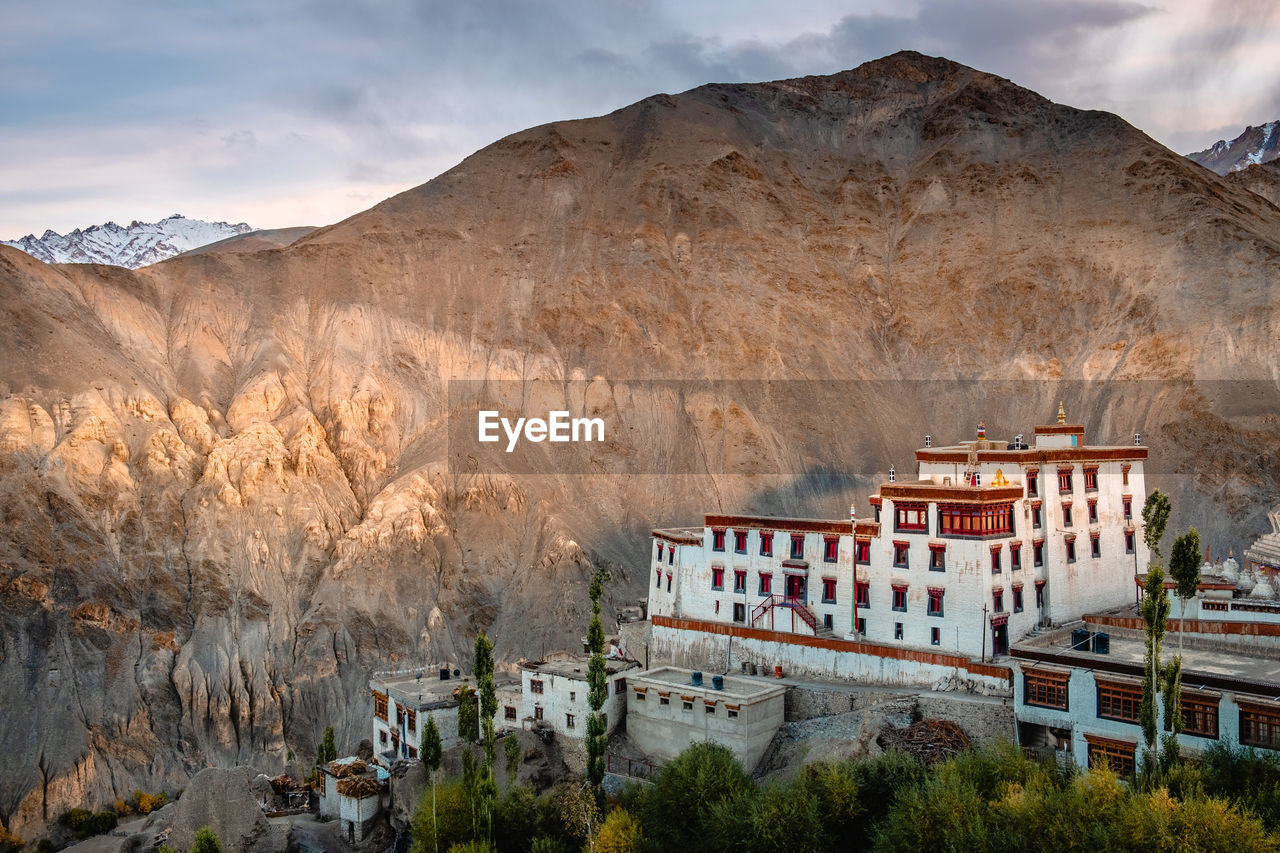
(717, 577)
(797, 546)
(996, 566)
(997, 599)
(1116, 754)
(717, 540)
(1040, 594)
(1017, 598)
(1130, 540)
(1066, 514)
(900, 598)
(862, 552)
(739, 541)
(1259, 726)
(1015, 556)
(937, 558)
(1037, 514)
(1037, 553)
(901, 554)
(1095, 546)
(912, 517)
(766, 543)
(830, 549)
(766, 583)
(1064, 480)
(936, 604)
(1033, 482)
(828, 590)
(862, 592)
(1045, 689)
(739, 580)
(1070, 543)
(1128, 507)
(662, 550)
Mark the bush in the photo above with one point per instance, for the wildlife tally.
(687, 790)
(206, 841)
(620, 833)
(10, 843)
(86, 824)
(453, 823)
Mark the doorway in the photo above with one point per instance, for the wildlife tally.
(796, 587)
(999, 640)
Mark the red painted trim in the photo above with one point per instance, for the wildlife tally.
(1194, 626)
(793, 525)
(866, 648)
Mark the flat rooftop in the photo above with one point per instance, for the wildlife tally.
(680, 534)
(746, 689)
(1245, 668)
(576, 667)
(428, 687)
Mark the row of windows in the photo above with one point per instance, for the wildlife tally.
(830, 544)
(1122, 701)
(731, 711)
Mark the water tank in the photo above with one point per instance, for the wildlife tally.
(1080, 639)
(717, 682)
(444, 673)
(1101, 643)
(696, 678)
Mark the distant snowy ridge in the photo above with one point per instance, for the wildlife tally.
(1255, 146)
(136, 246)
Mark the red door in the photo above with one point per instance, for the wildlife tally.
(795, 587)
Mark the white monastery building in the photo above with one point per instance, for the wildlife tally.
(554, 695)
(989, 540)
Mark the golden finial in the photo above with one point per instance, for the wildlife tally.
(1062, 414)
(999, 479)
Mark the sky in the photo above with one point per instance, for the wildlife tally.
(304, 112)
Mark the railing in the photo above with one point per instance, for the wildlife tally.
(634, 767)
(796, 605)
(806, 615)
(765, 606)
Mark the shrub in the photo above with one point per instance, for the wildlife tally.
(10, 843)
(687, 789)
(206, 841)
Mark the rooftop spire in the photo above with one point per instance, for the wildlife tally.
(1062, 413)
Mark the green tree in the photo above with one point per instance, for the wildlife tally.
(441, 826)
(206, 841)
(328, 750)
(597, 688)
(1155, 517)
(620, 833)
(513, 755)
(487, 784)
(1184, 568)
(431, 751)
(678, 808)
(1155, 613)
(468, 714)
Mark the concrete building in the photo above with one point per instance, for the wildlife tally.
(351, 791)
(989, 540)
(553, 694)
(670, 709)
(1077, 693)
(402, 699)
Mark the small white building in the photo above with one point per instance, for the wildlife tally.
(554, 695)
(401, 702)
(1077, 692)
(671, 709)
(990, 539)
(351, 791)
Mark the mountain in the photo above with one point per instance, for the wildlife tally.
(139, 244)
(255, 241)
(1261, 179)
(235, 483)
(1257, 145)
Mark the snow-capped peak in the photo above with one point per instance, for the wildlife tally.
(140, 244)
(1256, 145)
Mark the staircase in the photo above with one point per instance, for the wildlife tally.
(798, 607)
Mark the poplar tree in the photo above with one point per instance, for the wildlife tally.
(487, 783)
(597, 688)
(328, 749)
(432, 752)
(1184, 568)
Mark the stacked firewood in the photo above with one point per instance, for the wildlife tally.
(930, 741)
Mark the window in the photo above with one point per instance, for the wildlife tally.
(1128, 508)
(1033, 483)
(828, 621)
(975, 520)
(828, 590)
(412, 720)
(1036, 520)
(739, 580)
(897, 630)
(830, 549)
(900, 555)
(508, 712)
(861, 626)
(717, 540)
(862, 589)
(640, 697)
(1116, 754)
(668, 581)
(664, 700)
(766, 543)
(709, 707)
(537, 712)
(568, 721)
(1119, 701)
(996, 567)
(1045, 689)
(573, 696)
(1070, 543)
(1200, 715)
(717, 577)
(658, 583)
(1091, 478)
(911, 517)
(686, 705)
(619, 686)
(413, 752)
(1066, 514)
(1039, 594)
(766, 583)
(535, 685)
(797, 546)
(935, 601)
(739, 612)
(1124, 474)
(382, 736)
(1037, 553)
(1128, 541)
(1017, 598)
(1093, 510)
(1095, 547)
(1015, 556)
(1259, 726)
(739, 541)
(937, 558)
(862, 552)
(671, 556)
(1064, 480)
(380, 706)
(661, 551)
(732, 713)
(900, 598)
(935, 636)
(997, 599)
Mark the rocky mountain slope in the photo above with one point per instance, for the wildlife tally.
(1262, 179)
(137, 245)
(236, 482)
(255, 241)
(1257, 145)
